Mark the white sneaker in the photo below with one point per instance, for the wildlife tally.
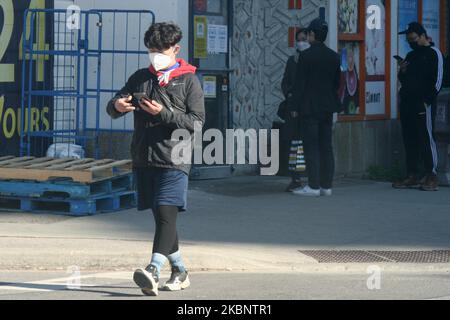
(326, 192)
(307, 192)
(178, 281)
(147, 280)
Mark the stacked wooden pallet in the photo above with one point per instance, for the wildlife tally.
(68, 186)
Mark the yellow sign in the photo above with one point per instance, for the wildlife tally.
(200, 37)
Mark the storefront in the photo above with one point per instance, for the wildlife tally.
(365, 54)
(241, 48)
(367, 42)
(365, 33)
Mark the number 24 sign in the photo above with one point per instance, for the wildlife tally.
(11, 38)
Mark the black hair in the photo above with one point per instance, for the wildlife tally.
(299, 31)
(321, 35)
(162, 36)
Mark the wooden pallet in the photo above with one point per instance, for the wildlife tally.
(45, 169)
(66, 188)
(74, 207)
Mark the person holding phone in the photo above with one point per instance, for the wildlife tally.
(164, 97)
(421, 76)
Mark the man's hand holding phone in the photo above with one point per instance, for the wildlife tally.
(124, 105)
(403, 64)
(146, 104)
(150, 106)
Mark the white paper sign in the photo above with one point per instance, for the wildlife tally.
(375, 98)
(217, 38)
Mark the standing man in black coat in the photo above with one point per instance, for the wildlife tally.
(316, 98)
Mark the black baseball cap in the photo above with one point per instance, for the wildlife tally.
(318, 25)
(414, 27)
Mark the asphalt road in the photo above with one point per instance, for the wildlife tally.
(37, 285)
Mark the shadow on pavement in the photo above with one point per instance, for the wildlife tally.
(60, 287)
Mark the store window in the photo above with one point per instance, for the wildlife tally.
(348, 16)
(363, 48)
(431, 13)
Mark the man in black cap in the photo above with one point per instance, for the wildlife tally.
(421, 75)
(317, 84)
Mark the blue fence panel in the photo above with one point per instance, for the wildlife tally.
(88, 68)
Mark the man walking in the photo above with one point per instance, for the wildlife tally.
(164, 97)
(317, 84)
(421, 75)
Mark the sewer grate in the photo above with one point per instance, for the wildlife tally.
(438, 256)
(361, 256)
(332, 256)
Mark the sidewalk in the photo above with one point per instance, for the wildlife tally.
(240, 224)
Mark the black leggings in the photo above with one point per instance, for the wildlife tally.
(166, 235)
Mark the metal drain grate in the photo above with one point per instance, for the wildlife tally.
(361, 256)
(440, 256)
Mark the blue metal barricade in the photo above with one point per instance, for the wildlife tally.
(92, 54)
(122, 54)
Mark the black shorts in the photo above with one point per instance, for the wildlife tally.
(161, 187)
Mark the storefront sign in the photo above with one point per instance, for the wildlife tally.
(217, 38)
(200, 37)
(210, 86)
(349, 89)
(375, 98)
(375, 43)
(11, 33)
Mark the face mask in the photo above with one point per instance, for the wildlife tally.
(159, 61)
(414, 45)
(303, 45)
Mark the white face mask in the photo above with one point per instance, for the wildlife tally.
(159, 61)
(303, 45)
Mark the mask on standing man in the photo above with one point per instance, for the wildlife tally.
(303, 45)
(414, 45)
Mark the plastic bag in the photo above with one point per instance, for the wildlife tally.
(65, 150)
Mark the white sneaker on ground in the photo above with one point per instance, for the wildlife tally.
(307, 192)
(326, 192)
(147, 280)
(178, 281)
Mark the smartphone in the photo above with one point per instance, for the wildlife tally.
(138, 97)
(141, 96)
(399, 59)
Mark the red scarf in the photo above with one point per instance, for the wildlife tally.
(184, 68)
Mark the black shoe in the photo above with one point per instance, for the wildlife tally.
(178, 281)
(295, 184)
(147, 279)
(409, 183)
